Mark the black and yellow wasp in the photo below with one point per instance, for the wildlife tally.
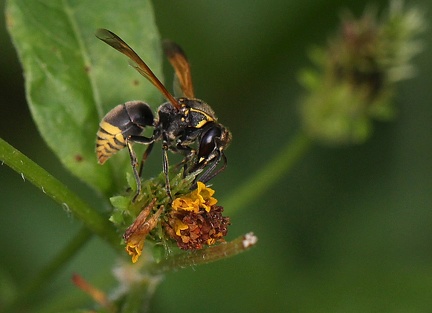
(185, 125)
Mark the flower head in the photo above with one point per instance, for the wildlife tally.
(196, 220)
(357, 71)
(192, 220)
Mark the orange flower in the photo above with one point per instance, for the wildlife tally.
(196, 220)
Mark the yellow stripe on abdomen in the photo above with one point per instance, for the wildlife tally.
(109, 141)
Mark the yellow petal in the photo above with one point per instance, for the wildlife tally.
(134, 249)
(205, 191)
(178, 226)
(186, 204)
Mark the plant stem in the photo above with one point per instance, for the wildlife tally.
(139, 297)
(268, 175)
(204, 256)
(57, 191)
(50, 270)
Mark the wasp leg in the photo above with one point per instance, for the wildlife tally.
(185, 162)
(189, 155)
(134, 164)
(141, 139)
(165, 166)
(211, 171)
(144, 157)
(137, 174)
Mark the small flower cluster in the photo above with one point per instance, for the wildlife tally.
(357, 72)
(195, 220)
(192, 220)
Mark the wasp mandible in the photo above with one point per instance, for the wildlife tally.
(185, 125)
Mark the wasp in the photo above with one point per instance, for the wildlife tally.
(184, 125)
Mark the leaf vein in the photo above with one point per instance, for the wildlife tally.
(69, 11)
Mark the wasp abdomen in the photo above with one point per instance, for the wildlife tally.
(120, 123)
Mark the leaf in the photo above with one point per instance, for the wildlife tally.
(73, 79)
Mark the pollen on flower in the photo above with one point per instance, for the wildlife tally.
(195, 220)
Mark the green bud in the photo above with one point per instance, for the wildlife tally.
(356, 73)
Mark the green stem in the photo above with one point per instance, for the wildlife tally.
(50, 270)
(139, 296)
(204, 256)
(268, 175)
(56, 190)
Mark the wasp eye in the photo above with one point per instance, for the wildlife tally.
(208, 143)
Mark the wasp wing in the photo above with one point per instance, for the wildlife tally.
(117, 43)
(178, 60)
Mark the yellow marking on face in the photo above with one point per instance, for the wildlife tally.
(201, 123)
(208, 118)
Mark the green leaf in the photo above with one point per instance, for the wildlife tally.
(73, 79)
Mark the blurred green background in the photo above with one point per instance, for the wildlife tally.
(348, 230)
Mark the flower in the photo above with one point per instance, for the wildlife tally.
(134, 247)
(193, 230)
(197, 199)
(135, 235)
(196, 220)
(355, 79)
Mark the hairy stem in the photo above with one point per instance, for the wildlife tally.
(57, 191)
(204, 256)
